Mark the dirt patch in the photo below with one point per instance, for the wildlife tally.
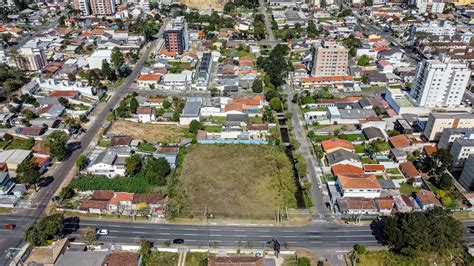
(238, 181)
(150, 132)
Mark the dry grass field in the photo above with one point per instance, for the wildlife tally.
(149, 132)
(238, 181)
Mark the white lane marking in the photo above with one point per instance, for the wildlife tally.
(190, 229)
(163, 233)
(239, 230)
(215, 235)
(190, 234)
(263, 231)
(137, 232)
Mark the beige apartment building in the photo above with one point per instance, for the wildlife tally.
(329, 59)
(102, 7)
(437, 122)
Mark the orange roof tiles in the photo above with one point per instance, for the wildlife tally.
(121, 196)
(156, 100)
(409, 170)
(385, 203)
(374, 167)
(233, 107)
(360, 204)
(150, 77)
(430, 150)
(63, 31)
(40, 160)
(349, 181)
(144, 110)
(331, 78)
(167, 53)
(400, 141)
(336, 143)
(97, 32)
(427, 197)
(346, 169)
(62, 93)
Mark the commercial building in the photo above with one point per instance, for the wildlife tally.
(32, 56)
(102, 7)
(289, 18)
(95, 60)
(176, 35)
(461, 150)
(329, 59)
(437, 28)
(440, 84)
(82, 5)
(437, 122)
(467, 175)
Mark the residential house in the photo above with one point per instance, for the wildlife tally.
(340, 169)
(385, 205)
(109, 162)
(398, 155)
(119, 257)
(6, 183)
(98, 203)
(149, 81)
(121, 203)
(404, 203)
(191, 110)
(373, 133)
(12, 158)
(357, 206)
(427, 200)
(120, 141)
(170, 153)
(409, 170)
(374, 168)
(335, 144)
(342, 156)
(359, 186)
(146, 114)
(399, 142)
(393, 56)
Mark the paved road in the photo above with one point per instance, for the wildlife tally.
(24, 40)
(268, 26)
(314, 172)
(320, 235)
(65, 167)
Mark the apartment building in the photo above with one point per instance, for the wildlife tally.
(32, 56)
(437, 122)
(435, 27)
(449, 135)
(461, 150)
(467, 175)
(176, 35)
(102, 7)
(329, 59)
(430, 6)
(82, 5)
(440, 84)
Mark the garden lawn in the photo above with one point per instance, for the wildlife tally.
(26, 144)
(359, 148)
(408, 189)
(196, 258)
(393, 171)
(238, 181)
(134, 184)
(146, 147)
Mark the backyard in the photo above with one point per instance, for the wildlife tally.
(237, 181)
(150, 132)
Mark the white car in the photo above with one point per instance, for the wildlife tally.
(102, 232)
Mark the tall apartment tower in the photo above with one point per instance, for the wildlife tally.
(82, 5)
(102, 7)
(329, 59)
(176, 35)
(440, 84)
(32, 56)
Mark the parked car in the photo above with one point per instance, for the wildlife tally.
(178, 241)
(102, 232)
(9, 226)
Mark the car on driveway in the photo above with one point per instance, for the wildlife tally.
(102, 232)
(178, 241)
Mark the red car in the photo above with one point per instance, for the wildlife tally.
(9, 226)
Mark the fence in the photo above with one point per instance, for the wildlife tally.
(233, 141)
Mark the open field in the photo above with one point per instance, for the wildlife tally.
(161, 258)
(388, 258)
(149, 132)
(238, 181)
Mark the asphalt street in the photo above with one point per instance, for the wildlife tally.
(65, 167)
(319, 235)
(24, 40)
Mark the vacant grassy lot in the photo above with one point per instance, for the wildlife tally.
(162, 258)
(238, 181)
(149, 132)
(386, 258)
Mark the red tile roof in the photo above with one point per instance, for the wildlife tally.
(360, 204)
(87, 204)
(63, 93)
(430, 150)
(336, 143)
(374, 167)
(400, 141)
(409, 170)
(358, 181)
(156, 100)
(104, 195)
(121, 196)
(346, 169)
(385, 203)
(121, 258)
(427, 197)
(150, 77)
(167, 53)
(144, 110)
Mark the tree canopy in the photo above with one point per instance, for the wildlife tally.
(276, 65)
(412, 234)
(48, 228)
(56, 142)
(194, 126)
(28, 173)
(133, 164)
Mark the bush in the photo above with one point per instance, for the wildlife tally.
(359, 248)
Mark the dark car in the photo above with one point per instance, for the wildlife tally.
(178, 241)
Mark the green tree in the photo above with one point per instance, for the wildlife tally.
(312, 30)
(194, 126)
(445, 181)
(32, 236)
(268, 115)
(360, 249)
(134, 105)
(28, 114)
(433, 231)
(81, 162)
(322, 3)
(166, 105)
(28, 173)
(276, 105)
(64, 102)
(133, 164)
(277, 66)
(117, 59)
(145, 248)
(66, 193)
(56, 142)
(364, 60)
(61, 21)
(156, 170)
(257, 86)
(88, 235)
(107, 71)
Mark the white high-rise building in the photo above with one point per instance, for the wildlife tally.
(32, 56)
(440, 84)
(82, 5)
